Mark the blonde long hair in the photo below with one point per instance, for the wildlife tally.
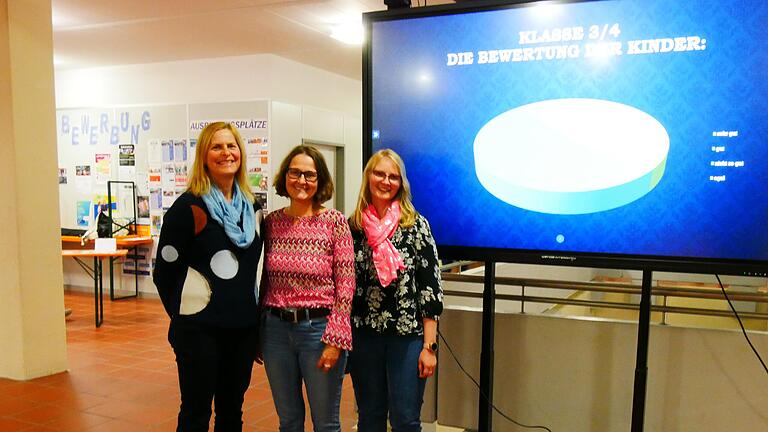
(200, 179)
(407, 211)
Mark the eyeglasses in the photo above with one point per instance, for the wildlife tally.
(381, 176)
(295, 174)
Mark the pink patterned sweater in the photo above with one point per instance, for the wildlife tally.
(309, 263)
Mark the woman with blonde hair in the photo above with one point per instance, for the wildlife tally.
(397, 299)
(206, 274)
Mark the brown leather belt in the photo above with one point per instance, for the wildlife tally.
(295, 315)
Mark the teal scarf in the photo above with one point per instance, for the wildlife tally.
(228, 215)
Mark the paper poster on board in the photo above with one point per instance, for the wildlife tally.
(127, 162)
(142, 183)
(168, 176)
(167, 150)
(102, 168)
(257, 162)
(180, 150)
(83, 179)
(154, 175)
(83, 213)
(181, 175)
(156, 224)
(192, 151)
(168, 198)
(154, 152)
(257, 179)
(142, 208)
(155, 200)
(127, 155)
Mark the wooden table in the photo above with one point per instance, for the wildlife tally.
(96, 272)
(130, 243)
(122, 241)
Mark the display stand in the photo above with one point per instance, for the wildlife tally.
(128, 223)
(641, 361)
(485, 417)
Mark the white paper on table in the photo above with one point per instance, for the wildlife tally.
(105, 245)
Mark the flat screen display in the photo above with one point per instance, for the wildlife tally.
(627, 133)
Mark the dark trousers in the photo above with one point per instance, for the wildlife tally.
(214, 367)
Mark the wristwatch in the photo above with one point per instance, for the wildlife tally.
(432, 347)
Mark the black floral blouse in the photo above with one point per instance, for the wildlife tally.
(399, 308)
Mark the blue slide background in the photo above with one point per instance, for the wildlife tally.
(432, 125)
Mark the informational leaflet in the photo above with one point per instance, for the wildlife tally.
(83, 179)
(127, 162)
(167, 149)
(83, 212)
(102, 167)
(154, 152)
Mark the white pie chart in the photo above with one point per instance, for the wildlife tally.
(571, 156)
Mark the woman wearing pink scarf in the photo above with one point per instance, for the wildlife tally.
(397, 300)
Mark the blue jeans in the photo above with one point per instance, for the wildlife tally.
(290, 353)
(385, 375)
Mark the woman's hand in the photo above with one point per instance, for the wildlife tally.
(427, 358)
(328, 358)
(427, 363)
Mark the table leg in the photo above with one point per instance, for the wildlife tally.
(112, 278)
(99, 277)
(96, 290)
(135, 250)
(101, 291)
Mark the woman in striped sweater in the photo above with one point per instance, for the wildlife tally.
(309, 286)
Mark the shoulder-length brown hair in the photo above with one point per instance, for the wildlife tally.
(324, 179)
(407, 211)
(200, 179)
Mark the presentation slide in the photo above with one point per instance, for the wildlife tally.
(630, 127)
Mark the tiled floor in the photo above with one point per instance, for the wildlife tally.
(122, 377)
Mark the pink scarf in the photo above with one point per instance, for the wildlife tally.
(386, 259)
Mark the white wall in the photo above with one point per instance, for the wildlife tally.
(291, 124)
(222, 79)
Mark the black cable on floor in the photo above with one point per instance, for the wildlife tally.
(481, 391)
(722, 288)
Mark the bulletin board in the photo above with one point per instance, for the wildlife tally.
(154, 147)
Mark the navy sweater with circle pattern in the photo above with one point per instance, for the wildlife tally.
(200, 274)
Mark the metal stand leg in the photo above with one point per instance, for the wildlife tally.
(485, 416)
(641, 363)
